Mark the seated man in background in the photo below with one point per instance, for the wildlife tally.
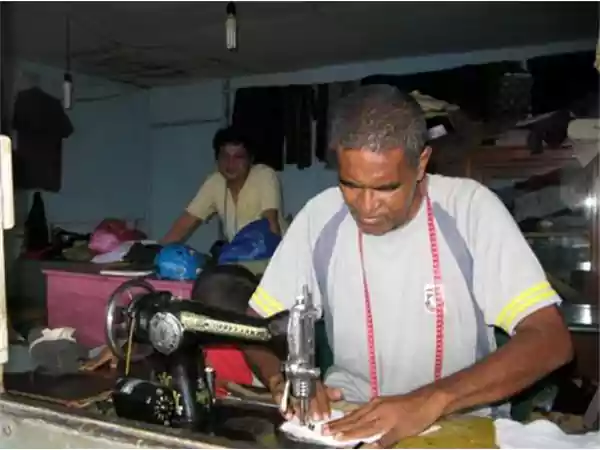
(228, 287)
(240, 192)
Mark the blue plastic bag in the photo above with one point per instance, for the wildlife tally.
(254, 242)
(178, 262)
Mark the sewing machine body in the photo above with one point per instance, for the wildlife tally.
(180, 391)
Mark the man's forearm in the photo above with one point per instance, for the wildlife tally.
(272, 215)
(530, 355)
(263, 362)
(181, 229)
(265, 365)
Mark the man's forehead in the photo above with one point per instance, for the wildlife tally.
(233, 149)
(368, 157)
(364, 168)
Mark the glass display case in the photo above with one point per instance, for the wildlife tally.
(554, 200)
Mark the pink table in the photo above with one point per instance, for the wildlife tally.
(78, 299)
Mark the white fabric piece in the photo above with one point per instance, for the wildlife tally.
(541, 434)
(584, 129)
(126, 273)
(54, 335)
(430, 104)
(303, 433)
(119, 253)
(294, 430)
(585, 138)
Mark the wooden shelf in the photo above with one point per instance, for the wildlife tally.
(549, 234)
(517, 162)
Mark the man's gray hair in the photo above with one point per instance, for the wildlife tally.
(378, 118)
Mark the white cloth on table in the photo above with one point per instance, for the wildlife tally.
(294, 430)
(541, 434)
(119, 253)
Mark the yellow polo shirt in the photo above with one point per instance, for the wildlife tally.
(261, 192)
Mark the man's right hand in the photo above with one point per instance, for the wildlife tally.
(320, 406)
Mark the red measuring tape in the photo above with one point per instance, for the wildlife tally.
(439, 305)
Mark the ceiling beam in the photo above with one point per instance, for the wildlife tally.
(410, 65)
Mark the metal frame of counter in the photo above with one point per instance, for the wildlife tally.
(18, 416)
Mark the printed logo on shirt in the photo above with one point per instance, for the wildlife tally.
(429, 297)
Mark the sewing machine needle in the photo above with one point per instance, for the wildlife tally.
(283, 405)
(303, 411)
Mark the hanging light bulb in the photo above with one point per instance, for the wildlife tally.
(68, 78)
(231, 28)
(68, 91)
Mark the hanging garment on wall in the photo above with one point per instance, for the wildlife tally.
(41, 125)
(597, 60)
(258, 112)
(321, 113)
(37, 234)
(298, 107)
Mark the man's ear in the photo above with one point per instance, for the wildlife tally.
(423, 161)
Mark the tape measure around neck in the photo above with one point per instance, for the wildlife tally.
(439, 305)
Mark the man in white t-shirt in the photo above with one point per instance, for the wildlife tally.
(372, 252)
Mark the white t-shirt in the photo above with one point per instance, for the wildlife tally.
(489, 273)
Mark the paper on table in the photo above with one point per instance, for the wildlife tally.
(126, 273)
(302, 433)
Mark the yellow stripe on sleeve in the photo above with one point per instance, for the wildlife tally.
(509, 322)
(267, 304)
(522, 302)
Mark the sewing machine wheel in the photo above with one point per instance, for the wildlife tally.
(118, 320)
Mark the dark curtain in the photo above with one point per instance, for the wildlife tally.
(321, 112)
(473, 88)
(298, 106)
(273, 116)
(259, 113)
(41, 125)
(561, 80)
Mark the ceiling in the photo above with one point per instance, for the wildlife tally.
(157, 43)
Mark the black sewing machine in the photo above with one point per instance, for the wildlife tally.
(171, 332)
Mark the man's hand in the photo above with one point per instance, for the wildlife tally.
(394, 417)
(320, 406)
(272, 215)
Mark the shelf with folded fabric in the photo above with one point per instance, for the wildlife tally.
(516, 162)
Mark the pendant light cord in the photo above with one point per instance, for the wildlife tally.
(68, 44)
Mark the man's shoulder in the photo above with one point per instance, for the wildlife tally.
(213, 181)
(322, 208)
(214, 178)
(466, 199)
(458, 193)
(455, 186)
(262, 171)
(325, 203)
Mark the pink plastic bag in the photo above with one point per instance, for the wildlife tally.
(110, 233)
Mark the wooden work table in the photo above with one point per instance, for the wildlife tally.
(251, 427)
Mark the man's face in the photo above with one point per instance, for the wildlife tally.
(233, 162)
(379, 188)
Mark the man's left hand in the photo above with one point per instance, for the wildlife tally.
(394, 418)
